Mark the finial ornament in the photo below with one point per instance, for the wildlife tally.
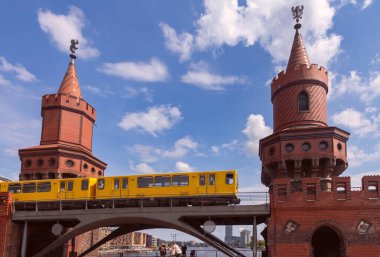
(297, 12)
(73, 47)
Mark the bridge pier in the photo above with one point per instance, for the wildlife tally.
(24, 243)
(254, 237)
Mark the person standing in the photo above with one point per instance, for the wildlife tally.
(162, 250)
(175, 250)
(184, 249)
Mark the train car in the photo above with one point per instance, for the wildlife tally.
(181, 188)
(47, 192)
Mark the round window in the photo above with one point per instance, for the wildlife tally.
(69, 163)
(99, 172)
(85, 166)
(40, 162)
(339, 145)
(271, 151)
(289, 147)
(323, 145)
(93, 170)
(306, 146)
(52, 162)
(28, 163)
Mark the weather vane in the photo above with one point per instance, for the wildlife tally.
(73, 47)
(297, 12)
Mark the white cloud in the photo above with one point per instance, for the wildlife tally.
(142, 168)
(99, 91)
(62, 28)
(217, 149)
(199, 76)
(154, 120)
(357, 156)
(6, 84)
(366, 3)
(151, 154)
(152, 71)
(366, 88)
(255, 130)
(181, 44)
(356, 121)
(131, 92)
(21, 73)
(183, 166)
(269, 23)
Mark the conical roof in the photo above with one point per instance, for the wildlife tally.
(298, 55)
(70, 84)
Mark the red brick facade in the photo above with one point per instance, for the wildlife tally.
(345, 212)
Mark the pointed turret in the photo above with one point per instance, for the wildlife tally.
(298, 55)
(70, 84)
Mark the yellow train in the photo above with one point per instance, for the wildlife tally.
(164, 189)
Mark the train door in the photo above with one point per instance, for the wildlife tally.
(124, 188)
(202, 184)
(211, 184)
(115, 191)
(66, 189)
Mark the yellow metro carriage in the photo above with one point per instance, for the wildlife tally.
(195, 188)
(51, 189)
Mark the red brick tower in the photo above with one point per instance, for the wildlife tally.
(302, 145)
(65, 149)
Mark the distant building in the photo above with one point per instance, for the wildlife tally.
(228, 234)
(245, 237)
(2, 179)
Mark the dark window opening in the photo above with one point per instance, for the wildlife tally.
(29, 188)
(44, 187)
(70, 185)
(14, 188)
(180, 180)
(211, 179)
(101, 184)
(144, 182)
(84, 184)
(125, 183)
(162, 181)
(116, 183)
(202, 180)
(303, 102)
(229, 178)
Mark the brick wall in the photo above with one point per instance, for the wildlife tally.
(298, 211)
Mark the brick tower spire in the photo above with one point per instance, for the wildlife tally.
(65, 149)
(302, 145)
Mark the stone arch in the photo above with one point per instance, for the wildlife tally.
(328, 225)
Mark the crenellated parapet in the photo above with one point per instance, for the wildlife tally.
(54, 101)
(304, 73)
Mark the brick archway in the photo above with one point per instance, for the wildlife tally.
(331, 235)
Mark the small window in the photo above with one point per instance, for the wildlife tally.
(180, 180)
(93, 171)
(306, 146)
(62, 186)
(70, 185)
(229, 178)
(44, 187)
(144, 182)
(272, 150)
(281, 190)
(303, 102)
(311, 189)
(202, 180)
(372, 186)
(323, 145)
(100, 173)
(339, 146)
(100, 184)
(211, 179)
(116, 183)
(14, 188)
(29, 187)
(70, 163)
(162, 181)
(85, 166)
(52, 162)
(125, 183)
(289, 148)
(28, 163)
(40, 162)
(84, 184)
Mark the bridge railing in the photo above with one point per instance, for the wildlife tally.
(253, 198)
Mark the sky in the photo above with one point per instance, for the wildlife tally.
(185, 85)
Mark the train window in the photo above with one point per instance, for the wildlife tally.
(202, 180)
(211, 179)
(62, 186)
(70, 185)
(180, 180)
(125, 183)
(116, 183)
(229, 178)
(162, 181)
(84, 184)
(100, 184)
(14, 188)
(29, 187)
(44, 187)
(144, 182)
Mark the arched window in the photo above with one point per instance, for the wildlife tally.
(303, 102)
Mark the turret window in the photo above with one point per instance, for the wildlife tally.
(303, 102)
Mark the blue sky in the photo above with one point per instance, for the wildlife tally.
(184, 85)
